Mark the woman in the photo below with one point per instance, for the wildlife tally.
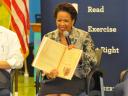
(66, 15)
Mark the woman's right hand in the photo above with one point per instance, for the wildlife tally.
(71, 46)
(53, 74)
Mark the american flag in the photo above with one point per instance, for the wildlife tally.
(19, 21)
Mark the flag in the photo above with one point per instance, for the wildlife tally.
(19, 23)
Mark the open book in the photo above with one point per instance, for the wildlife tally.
(53, 55)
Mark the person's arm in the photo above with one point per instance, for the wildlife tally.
(14, 57)
(89, 56)
(16, 61)
(4, 65)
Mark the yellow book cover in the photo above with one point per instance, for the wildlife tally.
(53, 55)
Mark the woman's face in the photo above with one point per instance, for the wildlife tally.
(64, 21)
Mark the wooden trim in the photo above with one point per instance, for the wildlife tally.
(36, 27)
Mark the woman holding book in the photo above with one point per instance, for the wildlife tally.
(65, 16)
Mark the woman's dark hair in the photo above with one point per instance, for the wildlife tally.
(67, 8)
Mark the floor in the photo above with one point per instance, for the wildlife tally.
(26, 86)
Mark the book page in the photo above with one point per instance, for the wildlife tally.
(69, 63)
(49, 55)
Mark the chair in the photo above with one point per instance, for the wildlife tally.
(95, 77)
(123, 75)
(37, 83)
(14, 81)
(14, 78)
(120, 88)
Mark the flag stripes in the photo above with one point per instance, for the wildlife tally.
(19, 21)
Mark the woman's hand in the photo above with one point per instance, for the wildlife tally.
(43, 73)
(53, 74)
(71, 46)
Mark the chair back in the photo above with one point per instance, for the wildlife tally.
(14, 81)
(123, 75)
(98, 56)
(95, 84)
